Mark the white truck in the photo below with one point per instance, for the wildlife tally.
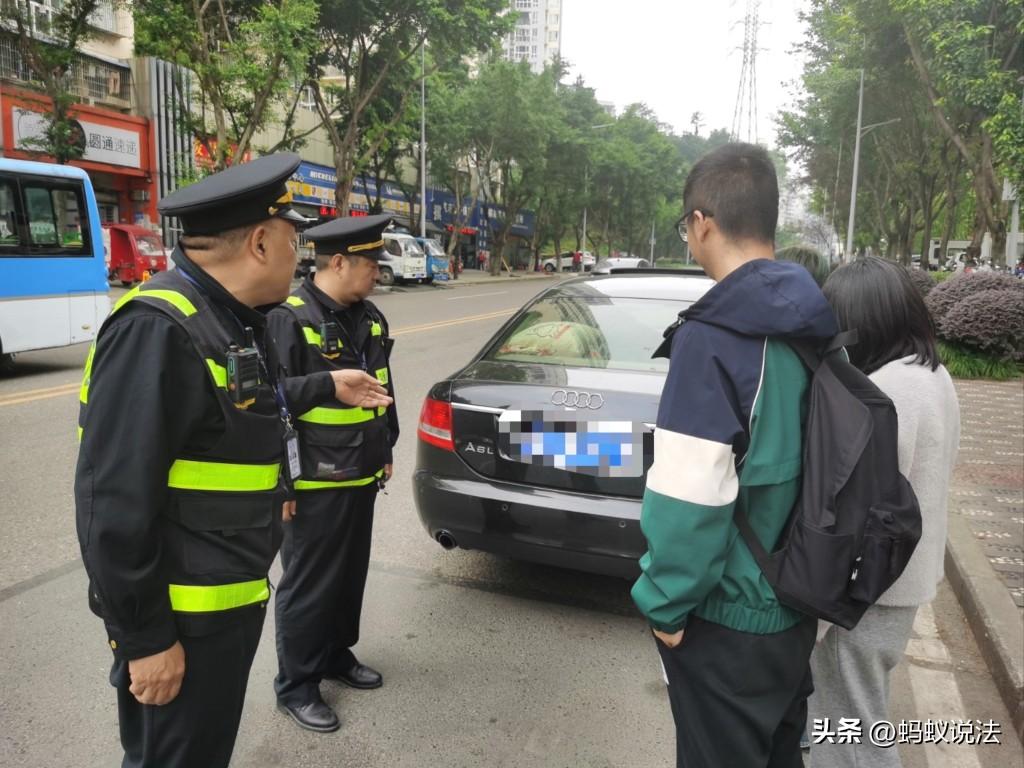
(403, 260)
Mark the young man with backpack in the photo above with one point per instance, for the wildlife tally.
(729, 440)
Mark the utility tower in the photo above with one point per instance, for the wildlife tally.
(744, 115)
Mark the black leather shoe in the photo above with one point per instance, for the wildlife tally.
(360, 676)
(313, 716)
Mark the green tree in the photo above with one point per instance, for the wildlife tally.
(516, 116)
(969, 59)
(366, 45)
(450, 115)
(48, 44)
(244, 58)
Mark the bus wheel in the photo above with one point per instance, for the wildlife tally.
(6, 363)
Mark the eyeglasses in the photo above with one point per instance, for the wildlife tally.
(681, 224)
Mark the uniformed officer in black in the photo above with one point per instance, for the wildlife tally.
(183, 475)
(328, 325)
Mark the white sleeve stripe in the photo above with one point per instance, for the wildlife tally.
(693, 469)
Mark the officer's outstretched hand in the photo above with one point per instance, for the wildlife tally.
(359, 388)
(157, 679)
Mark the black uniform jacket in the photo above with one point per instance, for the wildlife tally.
(303, 363)
(149, 396)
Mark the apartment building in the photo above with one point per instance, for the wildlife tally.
(537, 36)
(117, 141)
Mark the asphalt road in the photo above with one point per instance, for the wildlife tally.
(487, 662)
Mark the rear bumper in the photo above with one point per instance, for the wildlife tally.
(596, 534)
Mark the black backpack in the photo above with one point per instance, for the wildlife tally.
(857, 521)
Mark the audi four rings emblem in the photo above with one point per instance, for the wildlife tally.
(570, 398)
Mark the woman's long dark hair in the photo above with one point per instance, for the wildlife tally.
(878, 299)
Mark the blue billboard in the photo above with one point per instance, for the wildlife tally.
(314, 184)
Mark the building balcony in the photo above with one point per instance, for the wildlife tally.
(40, 15)
(90, 81)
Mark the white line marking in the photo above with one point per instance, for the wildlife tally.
(476, 295)
(936, 694)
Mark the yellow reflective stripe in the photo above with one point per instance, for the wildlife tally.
(317, 485)
(221, 597)
(218, 476)
(219, 373)
(295, 301)
(382, 376)
(177, 300)
(79, 434)
(338, 415)
(126, 298)
(83, 393)
(375, 329)
(311, 336)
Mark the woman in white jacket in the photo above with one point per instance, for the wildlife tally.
(897, 349)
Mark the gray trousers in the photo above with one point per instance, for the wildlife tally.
(851, 680)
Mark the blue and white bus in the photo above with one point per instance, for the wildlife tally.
(53, 279)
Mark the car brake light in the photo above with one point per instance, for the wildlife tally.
(436, 424)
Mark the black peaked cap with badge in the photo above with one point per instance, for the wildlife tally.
(351, 236)
(236, 197)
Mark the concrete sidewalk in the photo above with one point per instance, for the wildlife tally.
(985, 550)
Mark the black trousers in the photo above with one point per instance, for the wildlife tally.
(739, 700)
(197, 728)
(325, 554)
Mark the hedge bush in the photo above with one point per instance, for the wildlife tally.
(922, 280)
(989, 321)
(963, 363)
(948, 294)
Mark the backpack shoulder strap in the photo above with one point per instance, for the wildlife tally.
(811, 353)
(739, 517)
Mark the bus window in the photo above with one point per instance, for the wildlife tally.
(54, 221)
(8, 221)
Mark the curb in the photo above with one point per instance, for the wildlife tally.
(993, 616)
(503, 279)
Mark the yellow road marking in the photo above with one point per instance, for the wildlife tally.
(32, 395)
(454, 321)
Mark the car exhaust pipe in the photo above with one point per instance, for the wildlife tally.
(445, 539)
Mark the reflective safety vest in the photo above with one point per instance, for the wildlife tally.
(341, 446)
(222, 527)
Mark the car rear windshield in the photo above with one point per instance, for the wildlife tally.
(589, 332)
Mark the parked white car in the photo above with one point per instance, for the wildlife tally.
(605, 266)
(549, 264)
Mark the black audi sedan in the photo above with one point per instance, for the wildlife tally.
(538, 448)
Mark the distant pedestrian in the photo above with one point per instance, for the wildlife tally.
(731, 438)
(897, 348)
(577, 261)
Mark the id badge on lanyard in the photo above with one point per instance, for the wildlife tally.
(291, 437)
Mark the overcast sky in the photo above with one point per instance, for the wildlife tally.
(682, 56)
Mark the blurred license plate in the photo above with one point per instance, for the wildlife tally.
(602, 448)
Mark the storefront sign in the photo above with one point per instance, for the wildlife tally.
(101, 143)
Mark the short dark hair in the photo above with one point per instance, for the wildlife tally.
(323, 260)
(737, 184)
(810, 259)
(878, 299)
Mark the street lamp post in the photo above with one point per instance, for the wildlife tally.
(586, 182)
(423, 139)
(856, 168)
(861, 132)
